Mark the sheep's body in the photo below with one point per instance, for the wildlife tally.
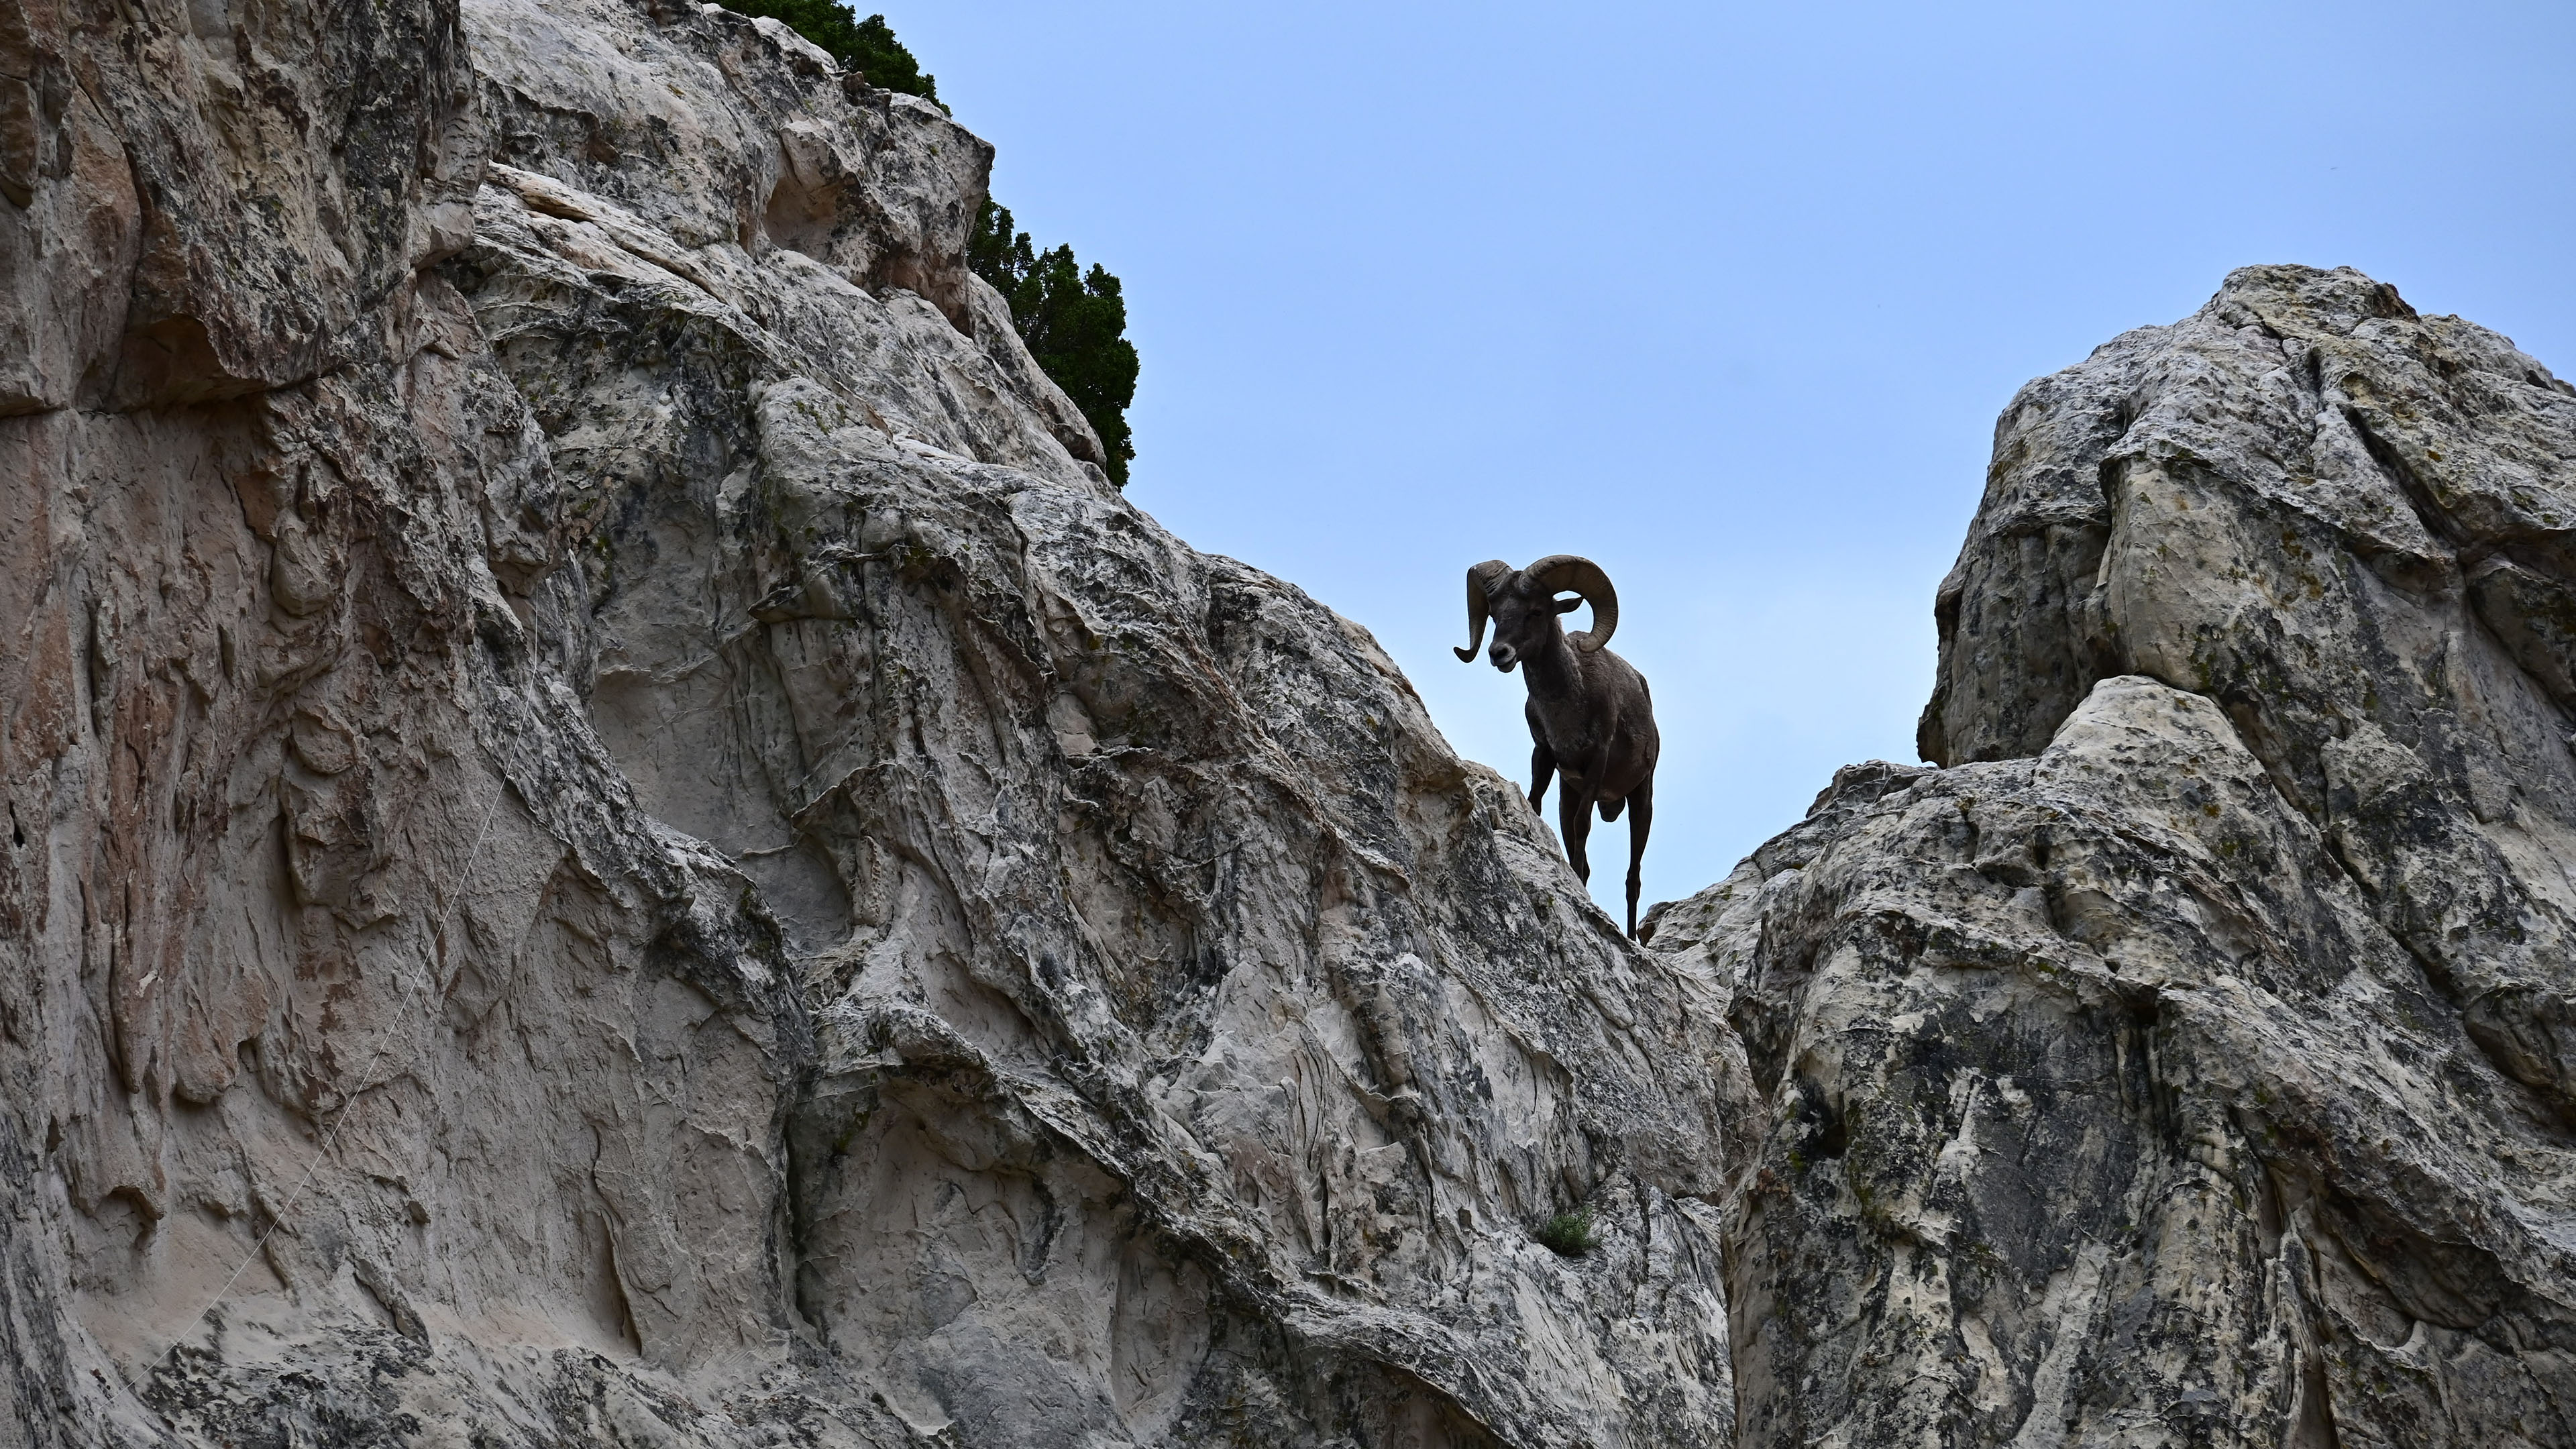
(1591, 717)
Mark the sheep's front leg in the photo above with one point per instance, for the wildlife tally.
(1542, 758)
(1574, 820)
(1641, 819)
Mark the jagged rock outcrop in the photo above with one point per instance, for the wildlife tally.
(2190, 1060)
(613, 837)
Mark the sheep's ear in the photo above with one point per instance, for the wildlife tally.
(1568, 606)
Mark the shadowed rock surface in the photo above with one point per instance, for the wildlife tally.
(2191, 1060)
(613, 837)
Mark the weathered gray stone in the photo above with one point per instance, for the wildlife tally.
(2190, 1060)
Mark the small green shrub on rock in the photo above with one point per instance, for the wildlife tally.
(1570, 1235)
(866, 46)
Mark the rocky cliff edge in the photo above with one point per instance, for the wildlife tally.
(2189, 1059)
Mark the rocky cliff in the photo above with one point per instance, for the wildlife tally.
(613, 837)
(2190, 1058)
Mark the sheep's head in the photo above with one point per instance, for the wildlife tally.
(1523, 605)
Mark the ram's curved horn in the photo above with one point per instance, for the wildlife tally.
(1567, 573)
(1480, 582)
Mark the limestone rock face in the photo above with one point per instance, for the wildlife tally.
(614, 838)
(2191, 1060)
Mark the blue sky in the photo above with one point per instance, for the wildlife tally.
(1725, 297)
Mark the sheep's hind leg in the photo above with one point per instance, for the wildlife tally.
(1542, 770)
(1641, 818)
(1574, 820)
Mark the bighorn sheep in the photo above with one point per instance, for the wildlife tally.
(1590, 714)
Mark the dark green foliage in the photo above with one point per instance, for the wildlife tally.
(999, 255)
(1569, 1235)
(866, 46)
(1075, 325)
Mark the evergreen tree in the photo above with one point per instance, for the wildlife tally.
(1074, 323)
(999, 255)
(866, 46)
